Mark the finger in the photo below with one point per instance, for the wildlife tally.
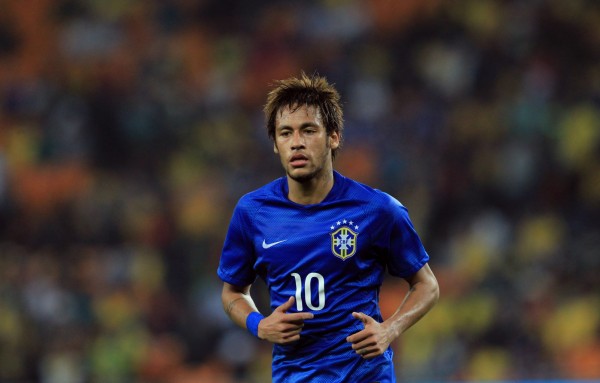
(286, 306)
(357, 337)
(364, 344)
(288, 333)
(289, 339)
(291, 332)
(298, 317)
(364, 318)
(287, 327)
(369, 354)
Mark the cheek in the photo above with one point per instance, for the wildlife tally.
(280, 153)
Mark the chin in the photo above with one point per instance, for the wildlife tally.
(302, 175)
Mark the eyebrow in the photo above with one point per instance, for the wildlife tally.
(304, 125)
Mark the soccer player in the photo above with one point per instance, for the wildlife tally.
(322, 243)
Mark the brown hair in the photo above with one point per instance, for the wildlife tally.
(306, 90)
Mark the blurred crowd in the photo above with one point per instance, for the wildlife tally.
(129, 129)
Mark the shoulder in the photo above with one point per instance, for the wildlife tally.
(252, 201)
(378, 200)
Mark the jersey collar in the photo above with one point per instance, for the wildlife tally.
(338, 183)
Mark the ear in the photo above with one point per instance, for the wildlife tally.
(275, 148)
(334, 140)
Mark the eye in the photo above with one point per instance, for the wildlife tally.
(285, 133)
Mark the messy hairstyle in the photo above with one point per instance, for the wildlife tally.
(305, 91)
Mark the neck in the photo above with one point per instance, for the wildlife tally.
(311, 191)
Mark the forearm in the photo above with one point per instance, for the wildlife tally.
(237, 304)
(421, 297)
(279, 327)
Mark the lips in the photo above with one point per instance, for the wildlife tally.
(298, 160)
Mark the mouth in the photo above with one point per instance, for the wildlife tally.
(298, 160)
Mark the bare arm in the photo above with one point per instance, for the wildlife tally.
(279, 327)
(376, 337)
(421, 297)
(237, 303)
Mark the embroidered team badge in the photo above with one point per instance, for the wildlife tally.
(344, 239)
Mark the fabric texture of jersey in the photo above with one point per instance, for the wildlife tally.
(332, 257)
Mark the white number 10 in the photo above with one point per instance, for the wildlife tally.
(308, 291)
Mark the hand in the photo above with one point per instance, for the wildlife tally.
(373, 340)
(281, 327)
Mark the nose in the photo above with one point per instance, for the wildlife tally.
(297, 141)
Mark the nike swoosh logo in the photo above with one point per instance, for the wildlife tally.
(266, 245)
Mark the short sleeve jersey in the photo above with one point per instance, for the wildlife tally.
(332, 257)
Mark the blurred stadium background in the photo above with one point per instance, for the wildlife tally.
(129, 129)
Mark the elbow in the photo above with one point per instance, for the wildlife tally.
(430, 288)
(433, 286)
(434, 290)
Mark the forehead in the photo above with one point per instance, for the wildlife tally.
(288, 115)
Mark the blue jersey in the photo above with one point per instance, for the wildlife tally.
(332, 257)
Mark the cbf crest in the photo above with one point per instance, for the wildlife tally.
(344, 239)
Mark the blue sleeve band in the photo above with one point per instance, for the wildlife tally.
(252, 322)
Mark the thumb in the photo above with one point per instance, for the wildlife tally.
(364, 318)
(286, 305)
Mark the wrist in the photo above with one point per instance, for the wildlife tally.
(392, 330)
(252, 321)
